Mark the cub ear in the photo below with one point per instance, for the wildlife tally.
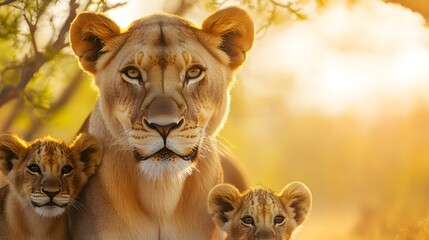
(89, 151)
(88, 33)
(235, 28)
(222, 202)
(11, 149)
(296, 197)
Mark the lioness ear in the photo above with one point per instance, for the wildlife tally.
(297, 197)
(222, 202)
(88, 33)
(11, 148)
(89, 151)
(235, 28)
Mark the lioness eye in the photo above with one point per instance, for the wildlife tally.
(194, 72)
(34, 168)
(247, 220)
(279, 219)
(66, 169)
(131, 73)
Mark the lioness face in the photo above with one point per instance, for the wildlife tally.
(48, 174)
(259, 213)
(164, 84)
(161, 94)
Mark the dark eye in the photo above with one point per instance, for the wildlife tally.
(131, 73)
(247, 220)
(194, 72)
(34, 168)
(66, 169)
(279, 219)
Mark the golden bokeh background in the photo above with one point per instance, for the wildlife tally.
(339, 101)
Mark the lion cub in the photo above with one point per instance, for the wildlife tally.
(43, 179)
(259, 213)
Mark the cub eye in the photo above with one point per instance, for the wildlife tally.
(131, 73)
(194, 72)
(66, 169)
(279, 219)
(34, 168)
(247, 220)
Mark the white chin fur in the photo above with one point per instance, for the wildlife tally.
(50, 211)
(158, 170)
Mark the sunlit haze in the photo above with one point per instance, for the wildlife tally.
(361, 56)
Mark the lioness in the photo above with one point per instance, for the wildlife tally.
(163, 96)
(43, 179)
(259, 213)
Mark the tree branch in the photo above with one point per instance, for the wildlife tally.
(32, 65)
(290, 7)
(32, 28)
(61, 38)
(106, 7)
(28, 69)
(6, 2)
(264, 27)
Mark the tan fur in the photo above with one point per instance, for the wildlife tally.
(26, 202)
(232, 171)
(259, 213)
(164, 94)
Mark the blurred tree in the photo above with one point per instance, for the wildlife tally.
(33, 39)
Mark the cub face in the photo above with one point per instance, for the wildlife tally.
(163, 82)
(46, 173)
(259, 213)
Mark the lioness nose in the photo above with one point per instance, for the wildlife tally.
(164, 130)
(51, 194)
(163, 114)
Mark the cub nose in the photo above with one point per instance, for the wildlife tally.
(51, 193)
(265, 234)
(164, 130)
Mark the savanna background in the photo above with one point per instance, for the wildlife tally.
(334, 93)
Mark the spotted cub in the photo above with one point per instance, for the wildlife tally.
(43, 180)
(259, 213)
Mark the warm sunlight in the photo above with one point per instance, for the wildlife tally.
(133, 10)
(338, 101)
(375, 52)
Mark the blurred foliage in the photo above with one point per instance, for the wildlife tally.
(34, 46)
(370, 178)
(267, 12)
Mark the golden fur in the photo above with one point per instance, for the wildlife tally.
(43, 179)
(164, 95)
(259, 213)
